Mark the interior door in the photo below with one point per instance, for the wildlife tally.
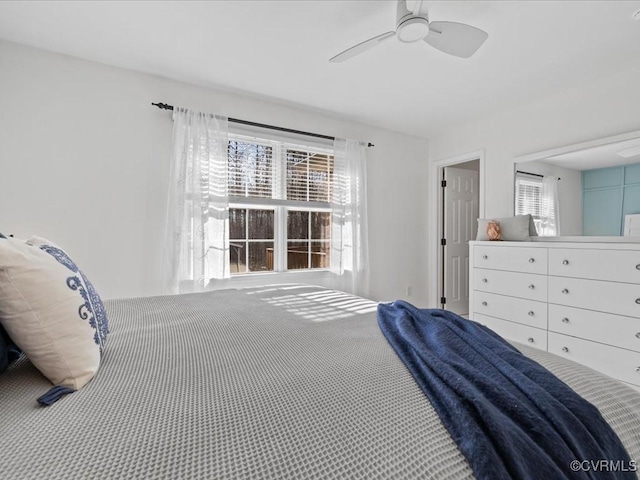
(460, 217)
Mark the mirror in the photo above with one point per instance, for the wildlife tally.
(598, 186)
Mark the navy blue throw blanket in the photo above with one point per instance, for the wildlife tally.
(510, 417)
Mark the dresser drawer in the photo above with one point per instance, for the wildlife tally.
(522, 285)
(517, 259)
(611, 265)
(600, 327)
(615, 362)
(527, 312)
(517, 332)
(617, 298)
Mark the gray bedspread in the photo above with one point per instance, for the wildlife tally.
(272, 382)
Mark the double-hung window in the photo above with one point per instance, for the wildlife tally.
(279, 205)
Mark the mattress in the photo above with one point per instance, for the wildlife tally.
(286, 381)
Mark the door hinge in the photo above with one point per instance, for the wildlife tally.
(443, 241)
(443, 300)
(443, 183)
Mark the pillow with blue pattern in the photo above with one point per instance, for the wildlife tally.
(52, 312)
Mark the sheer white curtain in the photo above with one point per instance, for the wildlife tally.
(197, 237)
(550, 211)
(349, 240)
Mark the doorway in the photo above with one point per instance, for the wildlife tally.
(457, 200)
(459, 212)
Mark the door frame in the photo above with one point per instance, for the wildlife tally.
(435, 259)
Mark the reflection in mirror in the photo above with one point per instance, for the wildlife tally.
(598, 187)
(557, 200)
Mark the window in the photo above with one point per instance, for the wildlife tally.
(241, 205)
(280, 214)
(308, 239)
(532, 196)
(251, 239)
(529, 196)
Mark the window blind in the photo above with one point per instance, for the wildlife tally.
(309, 175)
(529, 196)
(257, 168)
(250, 169)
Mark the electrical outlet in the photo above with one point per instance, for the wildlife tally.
(409, 290)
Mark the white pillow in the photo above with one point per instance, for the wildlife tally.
(51, 311)
(518, 228)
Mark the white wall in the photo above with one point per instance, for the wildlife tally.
(84, 162)
(599, 109)
(602, 108)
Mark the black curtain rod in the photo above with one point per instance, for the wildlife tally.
(165, 106)
(533, 174)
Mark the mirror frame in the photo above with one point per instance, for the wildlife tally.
(576, 147)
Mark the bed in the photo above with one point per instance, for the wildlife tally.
(285, 381)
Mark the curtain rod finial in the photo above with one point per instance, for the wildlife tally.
(162, 106)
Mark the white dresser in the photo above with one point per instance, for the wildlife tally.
(578, 300)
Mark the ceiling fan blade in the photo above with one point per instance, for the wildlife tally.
(458, 39)
(361, 47)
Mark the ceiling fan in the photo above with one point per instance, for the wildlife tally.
(458, 39)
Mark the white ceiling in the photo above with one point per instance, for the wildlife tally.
(280, 50)
(597, 157)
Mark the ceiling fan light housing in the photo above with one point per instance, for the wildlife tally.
(413, 29)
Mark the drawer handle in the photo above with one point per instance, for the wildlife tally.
(638, 335)
(484, 304)
(566, 320)
(565, 349)
(531, 313)
(638, 301)
(565, 291)
(565, 262)
(484, 280)
(532, 286)
(638, 370)
(638, 266)
(484, 257)
(530, 340)
(531, 260)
